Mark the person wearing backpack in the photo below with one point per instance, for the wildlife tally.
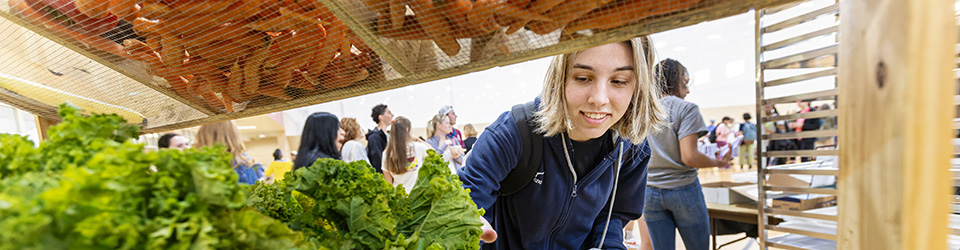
(747, 147)
(674, 199)
(567, 171)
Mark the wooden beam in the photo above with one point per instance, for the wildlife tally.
(109, 60)
(896, 94)
(43, 125)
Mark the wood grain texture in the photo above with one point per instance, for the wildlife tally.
(896, 88)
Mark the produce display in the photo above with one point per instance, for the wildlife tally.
(91, 187)
(218, 52)
(445, 21)
(349, 206)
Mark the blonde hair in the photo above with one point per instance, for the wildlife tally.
(644, 115)
(223, 133)
(469, 130)
(351, 128)
(432, 124)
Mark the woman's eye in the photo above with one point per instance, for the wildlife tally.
(619, 82)
(581, 78)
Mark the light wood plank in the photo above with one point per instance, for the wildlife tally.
(896, 93)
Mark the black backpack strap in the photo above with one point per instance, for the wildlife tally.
(532, 153)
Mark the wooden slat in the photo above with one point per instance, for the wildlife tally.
(801, 214)
(807, 76)
(800, 97)
(832, 9)
(774, 10)
(795, 190)
(807, 115)
(803, 171)
(801, 57)
(26, 104)
(800, 38)
(792, 153)
(804, 134)
(803, 232)
(784, 246)
(893, 180)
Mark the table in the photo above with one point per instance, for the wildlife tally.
(746, 213)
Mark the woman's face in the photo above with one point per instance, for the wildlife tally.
(340, 135)
(178, 142)
(444, 126)
(599, 88)
(684, 85)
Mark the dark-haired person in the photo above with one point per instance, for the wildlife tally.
(404, 156)
(749, 131)
(808, 124)
(377, 137)
(674, 199)
(173, 141)
(320, 139)
(278, 167)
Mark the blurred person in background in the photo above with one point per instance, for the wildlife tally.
(674, 199)
(403, 157)
(747, 147)
(352, 149)
(226, 133)
(724, 131)
(455, 136)
(278, 167)
(320, 139)
(377, 137)
(173, 141)
(471, 134)
(808, 124)
(438, 128)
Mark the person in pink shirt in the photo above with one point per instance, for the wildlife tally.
(724, 131)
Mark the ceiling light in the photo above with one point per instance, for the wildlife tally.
(261, 136)
(714, 37)
(246, 127)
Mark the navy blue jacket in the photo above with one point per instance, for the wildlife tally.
(376, 143)
(551, 212)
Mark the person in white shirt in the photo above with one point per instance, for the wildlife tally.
(352, 149)
(403, 156)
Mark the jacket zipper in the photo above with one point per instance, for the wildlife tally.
(573, 194)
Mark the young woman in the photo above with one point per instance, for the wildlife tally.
(471, 133)
(320, 139)
(403, 156)
(673, 197)
(226, 134)
(595, 111)
(352, 149)
(452, 152)
(173, 141)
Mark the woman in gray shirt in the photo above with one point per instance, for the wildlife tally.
(673, 196)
